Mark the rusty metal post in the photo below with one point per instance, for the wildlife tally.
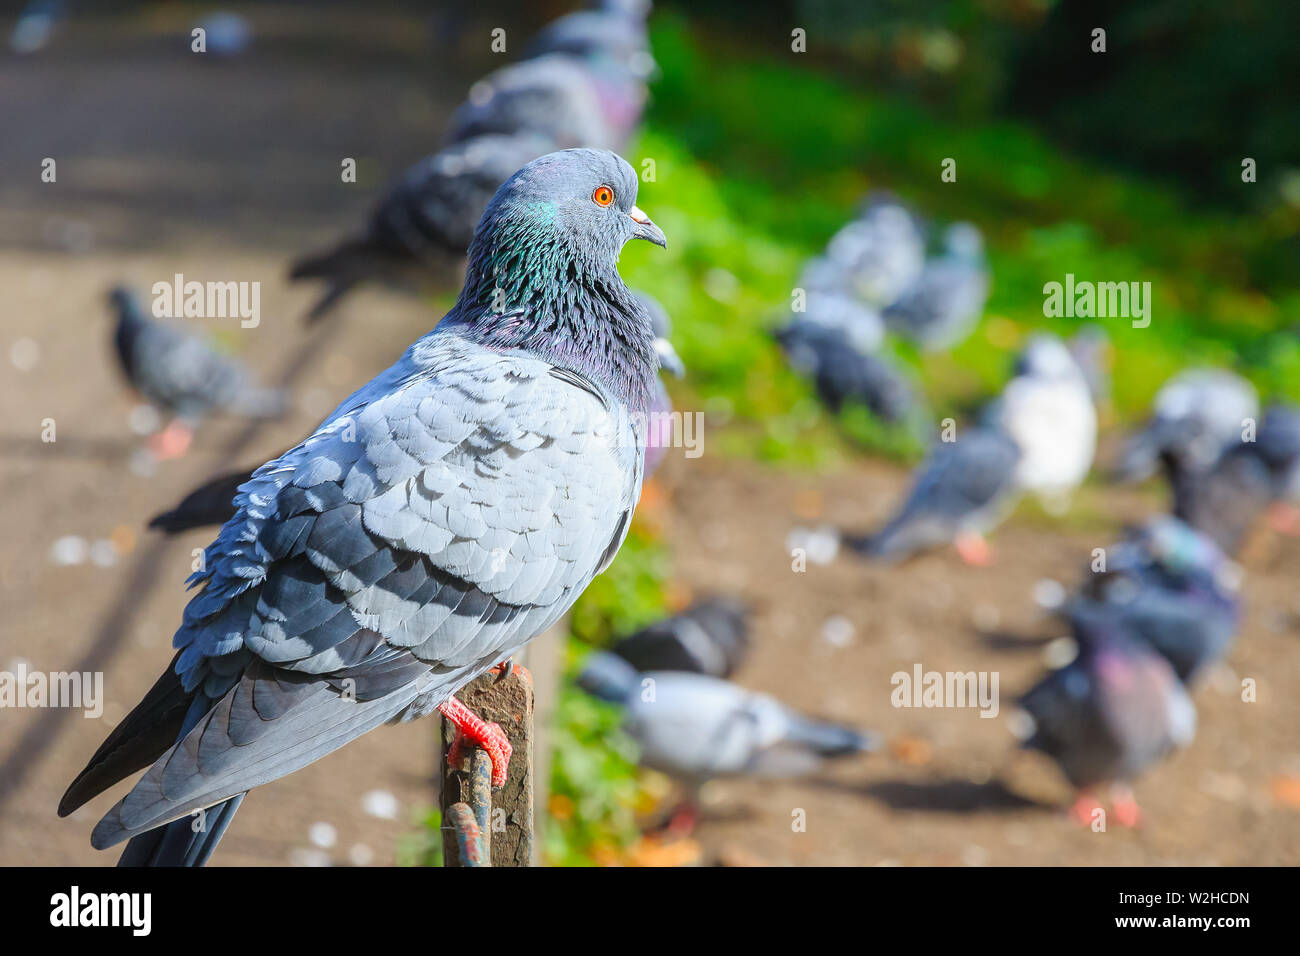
(504, 818)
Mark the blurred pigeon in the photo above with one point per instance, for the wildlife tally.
(616, 54)
(962, 490)
(843, 372)
(440, 518)
(1113, 711)
(943, 306)
(710, 637)
(1196, 414)
(551, 96)
(420, 230)
(1169, 587)
(1047, 409)
(181, 374)
(694, 728)
(881, 253)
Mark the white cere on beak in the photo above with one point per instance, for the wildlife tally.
(639, 216)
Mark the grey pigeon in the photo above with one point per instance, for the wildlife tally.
(1111, 713)
(421, 229)
(881, 254)
(180, 372)
(441, 517)
(694, 728)
(843, 372)
(551, 96)
(943, 306)
(1196, 414)
(962, 490)
(710, 637)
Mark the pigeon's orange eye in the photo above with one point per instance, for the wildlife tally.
(603, 196)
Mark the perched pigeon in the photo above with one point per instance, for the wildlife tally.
(710, 637)
(182, 375)
(943, 306)
(1196, 414)
(551, 96)
(693, 727)
(881, 254)
(1169, 587)
(1112, 712)
(963, 489)
(1048, 409)
(440, 518)
(422, 227)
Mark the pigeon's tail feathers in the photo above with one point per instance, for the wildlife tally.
(212, 503)
(188, 841)
(350, 262)
(830, 740)
(892, 543)
(235, 746)
(144, 735)
(260, 402)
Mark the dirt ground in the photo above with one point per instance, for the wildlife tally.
(133, 143)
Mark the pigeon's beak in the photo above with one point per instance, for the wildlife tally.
(669, 360)
(645, 229)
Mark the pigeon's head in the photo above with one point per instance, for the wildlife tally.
(578, 202)
(1046, 357)
(123, 302)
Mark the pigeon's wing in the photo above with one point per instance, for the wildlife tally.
(182, 372)
(433, 526)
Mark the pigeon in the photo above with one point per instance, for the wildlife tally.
(615, 52)
(182, 375)
(1047, 408)
(943, 306)
(1109, 714)
(710, 637)
(842, 372)
(695, 728)
(962, 490)
(421, 229)
(552, 96)
(881, 254)
(1038, 436)
(1169, 587)
(1196, 414)
(441, 517)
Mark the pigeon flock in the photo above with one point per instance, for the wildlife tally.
(456, 505)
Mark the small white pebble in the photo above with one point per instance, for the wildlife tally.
(144, 419)
(361, 855)
(70, 549)
(838, 631)
(322, 835)
(24, 353)
(1049, 594)
(380, 803)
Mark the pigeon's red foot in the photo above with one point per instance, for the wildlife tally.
(1084, 808)
(973, 549)
(172, 442)
(683, 820)
(1284, 518)
(1127, 811)
(469, 726)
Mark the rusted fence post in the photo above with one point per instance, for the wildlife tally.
(505, 821)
